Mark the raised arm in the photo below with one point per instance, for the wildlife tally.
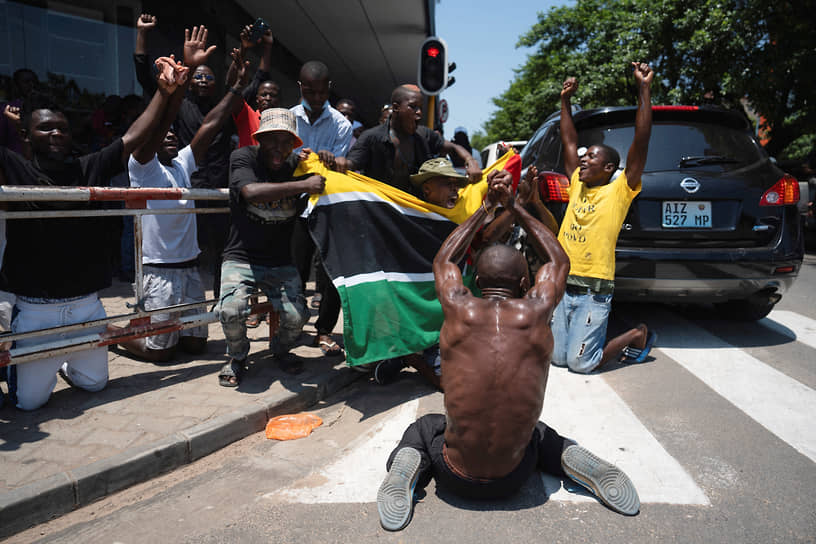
(530, 199)
(569, 136)
(474, 173)
(447, 276)
(169, 71)
(246, 45)
(147, 123)
(636, 158)
(219, 115)
(262, 73)
(529, 196)
(551, 278)
(144, 24)
(195, 54)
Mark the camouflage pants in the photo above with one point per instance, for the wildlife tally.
(281, 284)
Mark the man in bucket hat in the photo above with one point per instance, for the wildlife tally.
(438, 182)
(264, 202)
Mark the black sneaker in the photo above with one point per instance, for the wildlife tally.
(387, 371)
(395, 498)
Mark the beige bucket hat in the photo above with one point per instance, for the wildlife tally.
(277, 120)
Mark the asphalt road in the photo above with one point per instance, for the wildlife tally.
(716, 432)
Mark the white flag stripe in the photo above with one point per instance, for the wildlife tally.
(587, 409)
(780, 404)
(356, 476)
(342, 281)
(783, 322)
(356, 196)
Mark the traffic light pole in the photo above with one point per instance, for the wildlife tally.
(431, 111)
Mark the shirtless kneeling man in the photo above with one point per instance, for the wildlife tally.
(495, 360)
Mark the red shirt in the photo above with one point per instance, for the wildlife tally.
(247, 121)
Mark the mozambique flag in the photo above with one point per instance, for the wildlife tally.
(378, 244)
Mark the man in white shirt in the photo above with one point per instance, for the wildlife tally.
(169, 242)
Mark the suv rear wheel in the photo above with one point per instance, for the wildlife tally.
(750, 309)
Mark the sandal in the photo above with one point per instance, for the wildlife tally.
(234, 369)
(254, 320)
(328, 346)
(638, 355)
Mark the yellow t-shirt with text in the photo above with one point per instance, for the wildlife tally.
(592, 223)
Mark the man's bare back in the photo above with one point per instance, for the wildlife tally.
(496, 349)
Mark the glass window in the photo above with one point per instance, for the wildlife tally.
(671, 142)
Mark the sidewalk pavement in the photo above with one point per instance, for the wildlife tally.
(150, 419)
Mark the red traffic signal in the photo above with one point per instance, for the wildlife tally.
(432, 73)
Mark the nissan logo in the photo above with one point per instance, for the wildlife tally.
(691, 185)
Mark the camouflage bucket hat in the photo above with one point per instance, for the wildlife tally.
(437, 167)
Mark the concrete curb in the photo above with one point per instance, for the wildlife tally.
(56, 495)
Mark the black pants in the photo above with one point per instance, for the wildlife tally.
(427, 435)
(303, 248)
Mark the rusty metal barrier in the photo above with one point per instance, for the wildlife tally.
(139, 326)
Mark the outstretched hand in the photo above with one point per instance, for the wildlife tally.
(569, 88)
(246, 38)
(499, 189)
(528, 188)
(196, 51)
(643, 73)
(171, 74)
(242, 66)
(146, 22)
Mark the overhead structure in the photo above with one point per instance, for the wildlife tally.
(369, 45)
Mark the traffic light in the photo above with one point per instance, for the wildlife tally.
(433, 66)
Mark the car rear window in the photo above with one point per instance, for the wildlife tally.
(672, 142)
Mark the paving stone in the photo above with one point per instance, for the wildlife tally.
(151, 418)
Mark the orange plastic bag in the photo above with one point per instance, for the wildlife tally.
(292, 426)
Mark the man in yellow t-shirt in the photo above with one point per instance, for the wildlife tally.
(597, 207)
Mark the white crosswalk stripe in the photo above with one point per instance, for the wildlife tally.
(588, 410)
(357, 474)
(779, 403)
(785, 323)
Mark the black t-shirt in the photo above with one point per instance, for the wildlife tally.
(373, 154)
(59, 257)
(260, 233)
(213, 171)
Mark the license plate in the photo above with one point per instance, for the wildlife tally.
(681, 214)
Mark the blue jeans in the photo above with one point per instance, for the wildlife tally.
(281, 284)
(579, 330)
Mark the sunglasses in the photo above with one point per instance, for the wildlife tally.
(206, 77)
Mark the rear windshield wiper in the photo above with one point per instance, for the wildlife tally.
(708, 159)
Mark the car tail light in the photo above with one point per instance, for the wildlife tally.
(675, 108)
(784, 269)
(784, 192)
(554, 186)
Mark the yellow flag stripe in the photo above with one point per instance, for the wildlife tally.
(470, 196)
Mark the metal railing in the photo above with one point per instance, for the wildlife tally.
(139, 326)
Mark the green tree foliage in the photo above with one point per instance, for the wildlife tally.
(714, 51)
